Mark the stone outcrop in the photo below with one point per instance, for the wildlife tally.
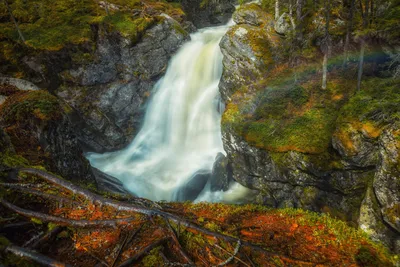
(303, 148)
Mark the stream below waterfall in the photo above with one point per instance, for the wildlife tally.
(181, 135)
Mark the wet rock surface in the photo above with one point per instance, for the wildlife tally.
(191, 190)
(221, 174)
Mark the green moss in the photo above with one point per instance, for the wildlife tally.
(153, 258)
(289, 111)
(127, 26)
(12, 160)
(378, 101)
(26, 106)
(367, 257)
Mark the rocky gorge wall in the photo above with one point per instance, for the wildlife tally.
(99, 79)
(333, 151)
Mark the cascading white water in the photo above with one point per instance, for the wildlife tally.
(181, 132)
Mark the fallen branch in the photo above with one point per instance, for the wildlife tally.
(143, 252)
(32, 255)
(22, 188)
(15, 225)
(64, 221)
(33, 239)
(94, 198)
(233, 255)
(175, 238)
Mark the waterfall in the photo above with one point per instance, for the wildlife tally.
(181, 133)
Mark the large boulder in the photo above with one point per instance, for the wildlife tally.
(193, 187)
(249, 49)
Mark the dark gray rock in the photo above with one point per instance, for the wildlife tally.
(109, 94)
(47, 139)
(221, 174)
(387, 179)
(65, 156)
(109, 184)
(191, 190)
(208, 13)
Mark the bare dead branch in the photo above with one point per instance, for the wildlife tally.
(120, 250)
(15, 225)
(64, 221)
(34, 256)
(33, 239)
(233, 255)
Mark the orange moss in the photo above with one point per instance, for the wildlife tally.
(344, 137)
(371, 130)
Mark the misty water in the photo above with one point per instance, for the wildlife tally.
(181, 133)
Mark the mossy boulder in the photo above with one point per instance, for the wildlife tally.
(41, 133)
(253, 14)
(250, 49)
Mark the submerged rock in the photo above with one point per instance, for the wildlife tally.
(193, 187)
(109, 184)
(221, 174)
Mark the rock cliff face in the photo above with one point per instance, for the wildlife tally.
(109, 93)
(108, 80)
(300, 146)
